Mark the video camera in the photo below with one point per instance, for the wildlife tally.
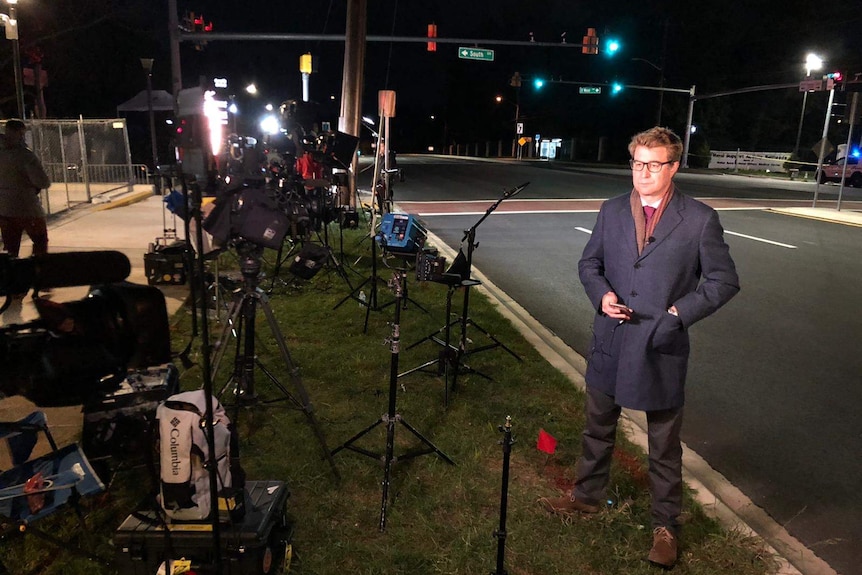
(79, 350)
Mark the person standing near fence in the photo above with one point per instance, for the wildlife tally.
(22, 177)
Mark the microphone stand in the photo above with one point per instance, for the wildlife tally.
(451, 358)
(500, 533)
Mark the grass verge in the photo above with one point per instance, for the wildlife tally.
(440, 518)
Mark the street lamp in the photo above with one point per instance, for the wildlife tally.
(147, 64)
(812, 62)
(11, 25)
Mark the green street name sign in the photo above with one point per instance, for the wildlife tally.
(590, 90)
(476, 54)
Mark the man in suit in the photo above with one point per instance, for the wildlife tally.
(655, 264)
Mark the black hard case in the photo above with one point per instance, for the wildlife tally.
(118, 424)
(261, 539)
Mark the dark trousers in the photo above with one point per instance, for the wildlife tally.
(12, 230)
(665, 457)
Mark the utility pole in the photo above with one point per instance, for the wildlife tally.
(352, 79)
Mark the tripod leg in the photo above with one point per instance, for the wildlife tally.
(387, 470)
(424, 440)
(232, 323)
(307, 407)
(497, 342)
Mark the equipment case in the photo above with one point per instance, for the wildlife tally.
(118, 423)
(259, 545)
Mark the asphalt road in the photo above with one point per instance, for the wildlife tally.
(775, 380)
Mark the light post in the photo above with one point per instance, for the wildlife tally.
(515, 82)
(147, 63)
(11, 24)
(812, 62)
(660, 85)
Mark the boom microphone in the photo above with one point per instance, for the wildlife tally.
(18, 275)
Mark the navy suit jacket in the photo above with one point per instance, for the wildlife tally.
(643, 362)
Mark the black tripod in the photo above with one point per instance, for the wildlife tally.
(241, 321)
(451, 359)
(391, 417)
(370, 301)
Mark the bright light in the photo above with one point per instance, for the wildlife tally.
(169, 122)
(498, 99)
(232, 108)
(612, 46)
(538, 83)
(251, 89)
(693, 129)
(269, 124)
(368, 120)
(430, 148)
(616, 88)
(268, 107)
(812, 62)
(216, 116)
(220, 82)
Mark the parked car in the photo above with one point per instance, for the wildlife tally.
(832, 172)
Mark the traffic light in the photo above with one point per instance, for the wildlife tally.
(612, 46)
(590, 43)
(538, 83)
(832, 79)
(432, 33)
(616, 88)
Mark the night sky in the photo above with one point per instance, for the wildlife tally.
(91, 51)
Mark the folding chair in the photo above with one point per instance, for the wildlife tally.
(26, 497)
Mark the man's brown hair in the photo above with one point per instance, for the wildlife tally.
(658, 138)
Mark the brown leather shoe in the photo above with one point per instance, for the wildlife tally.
(663, 552)
(567, 505)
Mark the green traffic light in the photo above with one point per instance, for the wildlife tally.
(538, 83)
(616, 88)
(612, 46)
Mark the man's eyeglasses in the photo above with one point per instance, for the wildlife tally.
(654, 167)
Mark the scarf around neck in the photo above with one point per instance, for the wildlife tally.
(642, 229)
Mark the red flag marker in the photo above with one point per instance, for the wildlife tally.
(546, 442)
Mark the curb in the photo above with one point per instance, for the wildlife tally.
(124, 200)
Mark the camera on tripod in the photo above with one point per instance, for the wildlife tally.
(78, 351)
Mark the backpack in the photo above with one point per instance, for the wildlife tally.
(184, 492)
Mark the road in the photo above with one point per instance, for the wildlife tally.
(775, 379)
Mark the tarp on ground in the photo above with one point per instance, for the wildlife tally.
(162, 101)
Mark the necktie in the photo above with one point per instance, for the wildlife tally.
(648, 213)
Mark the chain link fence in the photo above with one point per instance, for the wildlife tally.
(87, 160)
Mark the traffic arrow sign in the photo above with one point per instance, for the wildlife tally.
(476, 54)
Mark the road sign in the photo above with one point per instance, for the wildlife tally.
(519, 128)
(590, 90)
(476, 54)
(522, 140)
(811, 85)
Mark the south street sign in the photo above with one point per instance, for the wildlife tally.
(476, 54)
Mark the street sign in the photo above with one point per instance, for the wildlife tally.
(476, 54)
(590, 90)
(523, 140)
(811, 85)
(519, 128)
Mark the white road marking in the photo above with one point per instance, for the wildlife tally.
(586, 231)
(760, 240)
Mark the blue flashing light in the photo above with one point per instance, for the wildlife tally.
(856, 153)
